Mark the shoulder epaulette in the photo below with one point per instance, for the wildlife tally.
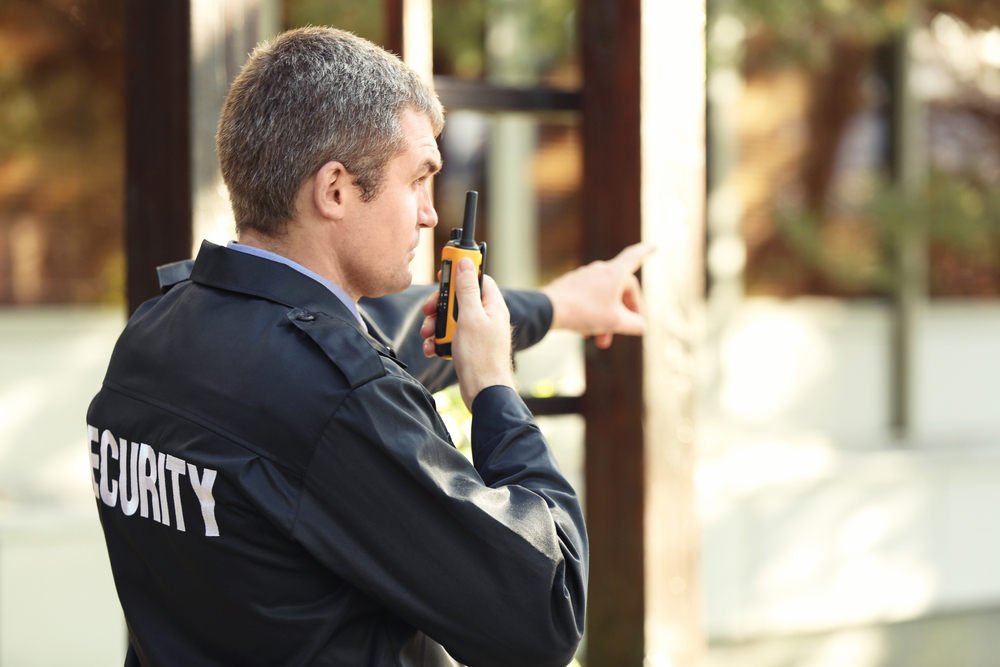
(173, 273)
(342, 343)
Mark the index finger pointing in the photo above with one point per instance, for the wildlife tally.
(632, 256)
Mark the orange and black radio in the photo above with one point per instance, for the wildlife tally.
(462, 244)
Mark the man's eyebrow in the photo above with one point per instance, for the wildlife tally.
(430, 166)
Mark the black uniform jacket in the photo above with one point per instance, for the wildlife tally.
(276, 489)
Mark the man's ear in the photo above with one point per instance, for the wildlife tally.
(331, 189)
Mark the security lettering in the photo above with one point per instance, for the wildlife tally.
(142, 484)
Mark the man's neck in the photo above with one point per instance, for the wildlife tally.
(275, 244)
(301, 248)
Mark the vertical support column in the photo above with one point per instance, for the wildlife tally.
(909, 171)
(158, 141)
(223, 34)
(673, 214)
(644, 171)
(409, 33)
(512, 202)
(393, 40)
(613, 404)
(726, 253)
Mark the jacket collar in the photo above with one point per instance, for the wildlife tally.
(222, 268)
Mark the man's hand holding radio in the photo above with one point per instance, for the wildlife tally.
(600, 299)
(481, 346)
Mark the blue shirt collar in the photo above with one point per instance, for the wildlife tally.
(329, 284)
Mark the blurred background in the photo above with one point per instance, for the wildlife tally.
(848, 430)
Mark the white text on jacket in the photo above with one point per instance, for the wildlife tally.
(142, 481)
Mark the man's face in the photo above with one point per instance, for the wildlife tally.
(383, 233)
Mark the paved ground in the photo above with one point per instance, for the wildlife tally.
(57, 600)
(961, 639)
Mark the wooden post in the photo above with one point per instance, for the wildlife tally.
(409, 34)
(643, 128)
(158, 147)
(613, 403)
(393, 40)
(673, 214)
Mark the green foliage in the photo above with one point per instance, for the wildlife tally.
(460, 28)
(364, 18)
(456, 418)
(553, 31)
(958, 217)
(459, 35)
(802, 31)
(847, 248)
(849, 255)
(780, 32)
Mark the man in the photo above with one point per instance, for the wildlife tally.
(274, 486)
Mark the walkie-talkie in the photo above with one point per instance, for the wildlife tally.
(462, 244)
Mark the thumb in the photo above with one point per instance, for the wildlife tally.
(631, 319)
(630, 323)
(467, 286)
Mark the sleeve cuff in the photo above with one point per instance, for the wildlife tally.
(496, 411)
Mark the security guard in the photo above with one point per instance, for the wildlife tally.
(275, 487)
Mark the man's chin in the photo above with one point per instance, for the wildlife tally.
(401, 284)
(404, 284)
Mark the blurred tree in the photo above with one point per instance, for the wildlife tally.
(459, 29)
(61, 152)
(963, 223)
(815, 244)
(460, 35)
(365, 18)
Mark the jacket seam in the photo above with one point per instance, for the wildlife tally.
(312, 456)
(207, 425)
(404, 377)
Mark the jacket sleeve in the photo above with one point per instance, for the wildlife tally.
(489, 560)
(397, 318)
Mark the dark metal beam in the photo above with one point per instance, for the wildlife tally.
(474, 94)
(909, 171)
(158, 141)
(554, 405)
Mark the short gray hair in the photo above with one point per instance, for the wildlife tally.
(310, 96)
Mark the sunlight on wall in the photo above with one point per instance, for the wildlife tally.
(54, 360)
(17, 409)
(801, 536)
(770, 363)
(763, 464)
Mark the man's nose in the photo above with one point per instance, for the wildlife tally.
(427, 216)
